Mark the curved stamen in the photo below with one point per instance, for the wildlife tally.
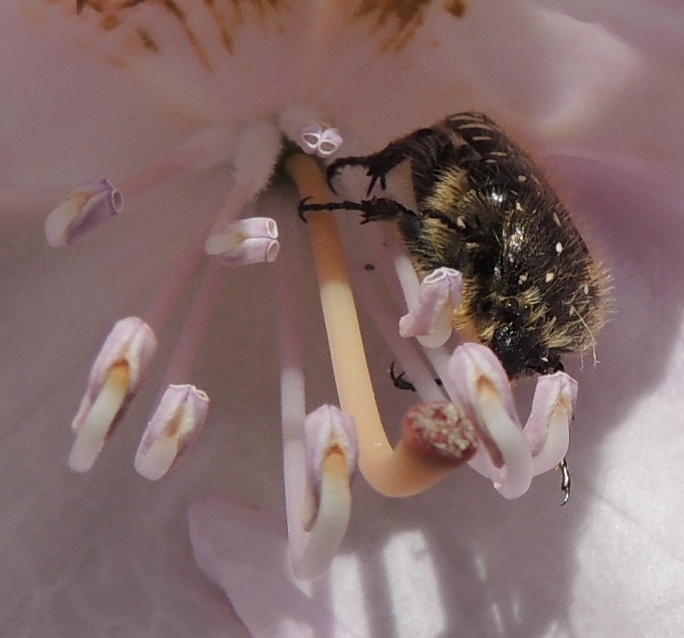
(430, 320)
(254, 158)
(115, 377)
(332, 450)
(547, 427)
(327, 462)
(175, 424)
(203, 150)
(245, 241)
(484, 392)
(81, 211)
(182, 409)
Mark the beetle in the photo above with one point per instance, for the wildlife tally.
(532, 292)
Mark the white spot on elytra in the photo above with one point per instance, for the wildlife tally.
(549, 277)
(585, 289)
(522, 178)
(522, 279)
(460, 223)
(559, 248)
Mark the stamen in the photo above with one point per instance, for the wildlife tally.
(207, 148)
(245, 241)
(88, 206)
(402, 472)
(405, 351)
(547, 428)
(82, 210)
(484, 392)
(177, 421)
(302, 125)
(431, 318)
(332, 451)
(254, 158)
(133, 342)
(310, 553)
(404, 270)
(182, 410)
(115, 376)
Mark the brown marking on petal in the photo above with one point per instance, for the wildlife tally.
(147, 40)
(109, 22)
(406, 17)
(208, 26)
(403, 17)
(180, 15)
(456, 8)
(218, 16)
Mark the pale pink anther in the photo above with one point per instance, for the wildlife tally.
(484, 392)
(82, 210)
(331, 457)
(430, 319)
(115, 377)
(245, 241)
(254, 158)
(304, 126)
(317, 140)
(310, 138)
(330, 142)
(178, 419)
(327, 430)
(547, 428)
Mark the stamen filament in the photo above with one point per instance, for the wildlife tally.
(403, 349)
(175, 282)
(292, 396)
(206, 148)
(185, 352)
(310, 552)
(392, 473)
(237, 199)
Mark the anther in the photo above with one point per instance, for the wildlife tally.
(304, 126)
(175, 424)
(245, 241)
(82, 210)
(484, 392)
(431, 318)
(115, 377)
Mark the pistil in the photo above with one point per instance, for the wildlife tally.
(400, 472)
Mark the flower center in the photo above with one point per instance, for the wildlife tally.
(470, 417)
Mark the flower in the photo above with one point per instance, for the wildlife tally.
(598, 90)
